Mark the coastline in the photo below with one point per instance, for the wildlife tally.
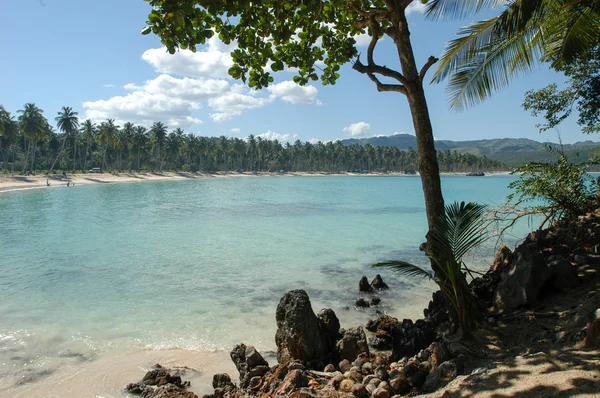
(10, 183)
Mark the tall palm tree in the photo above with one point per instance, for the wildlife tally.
(9, 133)
(106, 137)
(489, 53)
(33, 125)
(159, 133)
(88, 132)
(139, 141)
(67, 122)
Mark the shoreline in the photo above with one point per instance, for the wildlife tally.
(11, 183)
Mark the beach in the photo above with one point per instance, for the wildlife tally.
(20, 182)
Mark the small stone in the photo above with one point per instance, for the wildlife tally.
(345, 365)
(361, 359)
(296, 365)
(375, 301)
(371, 388)
(359, 390)
(381, 373)
(385, 385)
(362, 303)
(375, 381)
(381, 393)
(400, 385)
(367, 368)
(329, 368)
(346, 385)
(368, 379)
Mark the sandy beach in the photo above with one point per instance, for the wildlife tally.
(21, 182)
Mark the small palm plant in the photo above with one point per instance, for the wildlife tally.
(455, 234)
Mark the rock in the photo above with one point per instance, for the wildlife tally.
(380, 393)
(439, 353)
(378, 283)
(363, 285)
(221, 380)
(416, 373)
(346, 385)
(345, 365)
(362, 303)
(400, 385)
(352, 344)
(375, 381)
(384, 322)
(523, 279)
(355, 375)
(138, 389)
(409, 338)
(171, 391)
(440, 376)
(371, 388)
(249, 363)
(368, 379)
(300, 334)
(155, 375)
(367, 368)
(360, 360)
(385, 385)
(592, 331)
(564, 275)
(294, 379)
(359, 390)
(375, 301)
(329, 368)
(331, 323)
(381, 373)
(438, 309)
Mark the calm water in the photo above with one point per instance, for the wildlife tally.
(200, 264)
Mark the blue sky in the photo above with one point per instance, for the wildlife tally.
(91, 56)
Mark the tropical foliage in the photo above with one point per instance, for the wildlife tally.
(455, 234)
(487, 54)
(84, 145)
(582, 93)
(556, 190)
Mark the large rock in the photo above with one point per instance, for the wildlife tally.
(564, 275)
(300, 334)
(523, 279)
(352, 344)
(378, 283)
(249, 363)
(363, 285)
(409, 338)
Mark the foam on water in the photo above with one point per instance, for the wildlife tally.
(130, 272)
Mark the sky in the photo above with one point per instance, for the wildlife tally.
(90, 55)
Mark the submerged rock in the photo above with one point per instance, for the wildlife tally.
(363, 285)
(378, 283)
(249, 363)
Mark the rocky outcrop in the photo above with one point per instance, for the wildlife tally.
(160, 382)
(249, 363)
(303, 336)
(378, 283)
(364, 286)
(409, 338)
(353, 343)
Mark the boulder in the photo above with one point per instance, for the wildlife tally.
(409, 338)
(221, 380)
(362, 303)
(564, 275)
(523, 279)
(400, 385)
(171, 391)
(300, 334)
(360, 391)
(440, 376)
(294, 379)
(363, 285)
(249, 363)
(378, 283)
(375, 301)
(352, 344)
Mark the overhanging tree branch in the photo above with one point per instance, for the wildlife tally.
(432, 60)
(368, 70)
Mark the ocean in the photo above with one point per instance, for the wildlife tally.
(111, 275)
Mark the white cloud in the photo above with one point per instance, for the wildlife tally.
(110, 85)
(185, 88)
(235, 130)
(400, 133)
(234, 104)
(144, 108)
(289, 91)
(214, 61)
(271, 135)
(415, 6)
(358, 129)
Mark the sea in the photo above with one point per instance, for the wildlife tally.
(97, 282)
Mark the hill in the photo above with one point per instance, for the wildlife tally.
(511, 151)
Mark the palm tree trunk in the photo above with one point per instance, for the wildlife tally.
(33, 157)
(26, 156)
(87, 149)
(62, 148)
(74, 153)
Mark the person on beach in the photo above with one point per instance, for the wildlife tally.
(68, 183)
(47, 183)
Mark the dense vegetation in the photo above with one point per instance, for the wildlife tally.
(29, 143)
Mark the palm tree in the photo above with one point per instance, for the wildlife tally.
(33, 125)
(106, 136)
(454, 235)
(68, 122)
(159, 133)
(489, 53)
(139, 141)
(9, 133)
(88, 132)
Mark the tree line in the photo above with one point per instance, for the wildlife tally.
(28, 143)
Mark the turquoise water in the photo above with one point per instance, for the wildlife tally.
(199, 264)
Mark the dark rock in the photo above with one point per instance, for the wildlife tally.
(300, 334)
(378, 283)
(345, 365)
(294, 379)
(249, 363)
(523, 279)
(381, 393)
(221, 380)
(331, 323)
(410, 338)
(375, 301)
(441, 376)
(381, 373)
(171, 391)
(438, 310)
(367, 368)
(359, 390)
(352, 344)
(400, 385)
(384, 322)
(155, 375)
(564, 275)
(363, 285)
(362, 303)
(360, 360)
(138, 389)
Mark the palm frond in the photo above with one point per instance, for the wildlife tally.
(458, 9)
(406, 269)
